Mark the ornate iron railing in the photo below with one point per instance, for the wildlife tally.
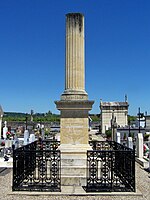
(50, 144)
(107, 145)
(36, 167)
(110, 167)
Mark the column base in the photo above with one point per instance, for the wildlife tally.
(74, 95)
(73, 164)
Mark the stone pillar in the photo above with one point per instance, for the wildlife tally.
(75, 80)
(74, 105)
(130, 142)
(139, 145)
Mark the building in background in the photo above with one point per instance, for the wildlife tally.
(120, 111)
(147, 122)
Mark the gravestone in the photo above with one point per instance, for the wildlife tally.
(130, 142)
(16, 142)
(139, 145)
(26, 137)
(5, 130)
(118, 137)
(32, 137)
(8, 143)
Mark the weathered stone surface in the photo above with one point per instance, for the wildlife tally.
(74, 106)
(74, 121)
(75, 75)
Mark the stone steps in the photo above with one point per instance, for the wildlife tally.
(73, 162)
(73, 170)
(73, 180)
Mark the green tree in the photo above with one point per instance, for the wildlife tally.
(131, 118)
(108, 133)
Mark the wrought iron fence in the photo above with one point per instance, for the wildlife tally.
(36, 167)
(50, 144)
(110, 167)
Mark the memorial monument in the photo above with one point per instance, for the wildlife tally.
(74, 105)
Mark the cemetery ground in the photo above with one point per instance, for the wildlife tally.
(142, 187)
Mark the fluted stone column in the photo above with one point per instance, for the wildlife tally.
(74, 105)
(75, 75)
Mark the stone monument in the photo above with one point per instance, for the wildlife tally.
(74, 104)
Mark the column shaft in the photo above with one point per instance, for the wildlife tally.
(74, 52)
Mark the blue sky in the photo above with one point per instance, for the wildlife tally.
(32, 52)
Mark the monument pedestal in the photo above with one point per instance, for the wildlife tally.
(73, 164)
(74, 137)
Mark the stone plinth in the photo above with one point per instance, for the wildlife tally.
(74, 139)
(74, 121)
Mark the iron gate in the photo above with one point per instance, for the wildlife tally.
(36, 167)
(110, 167)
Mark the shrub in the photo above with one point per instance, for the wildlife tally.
(108, 133)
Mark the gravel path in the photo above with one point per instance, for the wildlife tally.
(142, 184)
